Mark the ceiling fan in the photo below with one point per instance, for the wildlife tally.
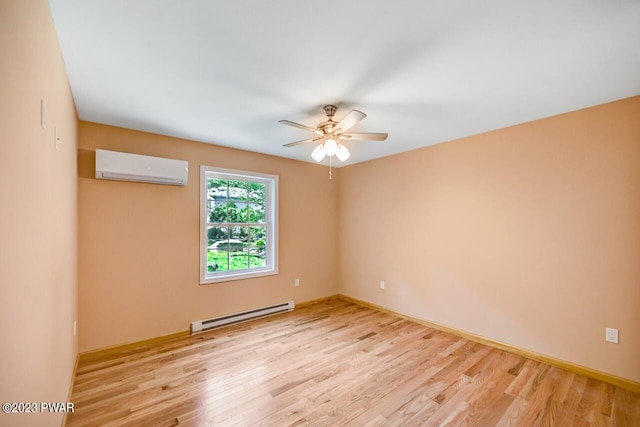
(330, 134)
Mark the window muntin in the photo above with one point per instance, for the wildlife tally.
(238, 228)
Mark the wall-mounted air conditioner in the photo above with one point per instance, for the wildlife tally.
(136, 167)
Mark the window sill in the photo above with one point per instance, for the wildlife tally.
(237, 276)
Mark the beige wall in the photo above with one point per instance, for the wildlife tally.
(529, 235)
(139, 243)
(38, 238)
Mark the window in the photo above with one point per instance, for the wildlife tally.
(238, 235)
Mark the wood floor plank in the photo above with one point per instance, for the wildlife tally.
(336, 363)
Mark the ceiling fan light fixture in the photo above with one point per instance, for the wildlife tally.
(318, 153)
(330, 132)
(342, 153)
(330, 147)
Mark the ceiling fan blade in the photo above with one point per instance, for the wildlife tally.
(297, 125)
(293, 144)
(365, 136)
(350, 120)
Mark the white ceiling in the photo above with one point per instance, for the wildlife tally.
(425, 71)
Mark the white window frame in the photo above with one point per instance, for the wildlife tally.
(271, 222)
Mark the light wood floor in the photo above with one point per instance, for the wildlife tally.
(337, 364)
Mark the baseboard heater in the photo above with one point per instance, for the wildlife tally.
(216, 322)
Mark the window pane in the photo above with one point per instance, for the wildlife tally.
(218, 206)
(239, 260)
(238, 191)
(238, 253)
(258, 236)
(235, 213)
(218, 212)
(256, 213)
(257, 192)
(247, 235)
(217, 254)
(215, 234)
(257, 257)
(216, 199)
(237, 237)
(217, 260)
(217, 187)
(257, 243)
(238, 196)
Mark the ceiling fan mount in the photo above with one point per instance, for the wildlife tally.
(330, 110)
(329, 134)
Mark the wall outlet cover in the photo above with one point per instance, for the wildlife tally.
(611, 335)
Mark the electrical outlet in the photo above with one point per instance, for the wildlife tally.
(382, 284)
(611, 335)
(56, 139)
(296, 282)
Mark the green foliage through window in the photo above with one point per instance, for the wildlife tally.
(236, 229)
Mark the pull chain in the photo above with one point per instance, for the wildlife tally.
(330, 173)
